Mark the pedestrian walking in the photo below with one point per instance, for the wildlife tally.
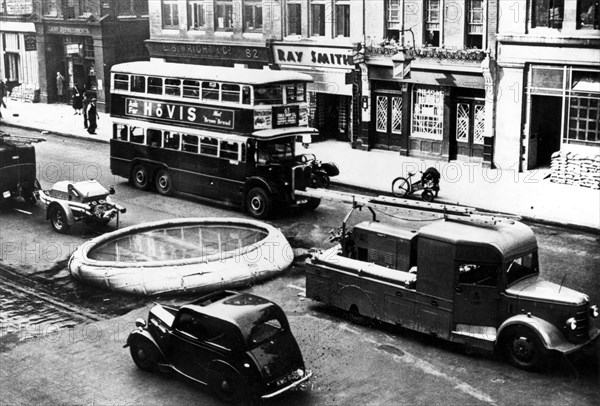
(92, 116)
(3, 94)
(60, 87)
(77, 100)
(85, 103)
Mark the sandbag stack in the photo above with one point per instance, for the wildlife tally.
(575, 169)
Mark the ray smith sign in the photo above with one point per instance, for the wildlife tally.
(180, 113)
(323, 57)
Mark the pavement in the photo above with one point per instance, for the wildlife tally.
(528, 194)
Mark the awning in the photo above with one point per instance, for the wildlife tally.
(453, 79)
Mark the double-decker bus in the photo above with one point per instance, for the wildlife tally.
(222, 134)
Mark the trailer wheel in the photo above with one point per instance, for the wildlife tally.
(311, 204)
(258, 203)
(524, 349)
(58, 220)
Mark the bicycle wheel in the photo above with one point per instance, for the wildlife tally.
(400, 187)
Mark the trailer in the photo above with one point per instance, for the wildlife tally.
(466, 277)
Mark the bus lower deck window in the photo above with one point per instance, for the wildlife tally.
(137, 135)
(122, 132)
(171, 140)
(209, 146)
(229, 150)
(154, 137)
(189, 143)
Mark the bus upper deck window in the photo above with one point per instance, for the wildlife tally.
(191, 89)
(210, 90)
(173, 87)
(155, 85)
(246, 95)
(121, 81)
(138, 84)
(230, 93)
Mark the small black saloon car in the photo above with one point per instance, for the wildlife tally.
(239, 345)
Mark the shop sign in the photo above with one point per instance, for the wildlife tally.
(56, 29)
(212, 51)
(30, 43)
(285, 116)
(324, 57)
(179, 113)
(72, 49)
(15, 7)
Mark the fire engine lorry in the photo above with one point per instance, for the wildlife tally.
(465, 278)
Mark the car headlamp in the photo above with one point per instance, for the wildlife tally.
(594, 311)
(572, 323)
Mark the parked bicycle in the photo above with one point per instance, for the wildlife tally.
(429, 184)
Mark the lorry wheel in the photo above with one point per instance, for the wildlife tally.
(400, 187)
(58, 220)
(164, 182)
(258, 203)
(144, 356)
(524, 349)
(140, 177)
(311, 204)
(229, 386)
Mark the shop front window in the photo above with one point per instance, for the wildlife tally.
(547, 13)
(587, 14)
(428, 112)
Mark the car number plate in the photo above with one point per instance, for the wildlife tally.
(6, 194)
(302, 201)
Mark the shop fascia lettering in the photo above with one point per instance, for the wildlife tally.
(198, 49)
(316, 57)
(180, 113)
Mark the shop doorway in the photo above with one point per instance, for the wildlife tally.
(387, 110)
(468, 121)
(544, 131)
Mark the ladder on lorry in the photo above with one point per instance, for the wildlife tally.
(449, 212)
(18, 139)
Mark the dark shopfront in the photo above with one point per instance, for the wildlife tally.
(432, 115)
(83, 52)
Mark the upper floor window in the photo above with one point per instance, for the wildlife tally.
(253, 15)
(294, 19)
(587, 14)
(547, 13)
(342, 19)
(475, 28)
(224, 15)
(432, 23)
(70, 8)
(197, 14)
(50, 8)
(132, 7)
(170, 14)
(317, 19)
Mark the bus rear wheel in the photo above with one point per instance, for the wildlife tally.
(140, 177)
(164, 183)
(258, 203)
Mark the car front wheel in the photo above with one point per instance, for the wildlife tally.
(524, 349)
(144, 356)
(58, 220)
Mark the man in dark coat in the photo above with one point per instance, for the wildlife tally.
(92, 116)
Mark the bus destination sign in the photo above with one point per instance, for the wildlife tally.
(180, 113)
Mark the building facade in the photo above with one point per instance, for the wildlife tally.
(549, 81)
(19, 60)
(441, 105)
(82, 39)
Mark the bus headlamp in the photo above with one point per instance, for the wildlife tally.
(594, 311)
(572, 323)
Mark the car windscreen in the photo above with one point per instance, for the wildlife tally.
(521, 267)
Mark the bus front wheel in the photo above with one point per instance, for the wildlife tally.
(258, 203)
(164, 182)
(140, 177)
